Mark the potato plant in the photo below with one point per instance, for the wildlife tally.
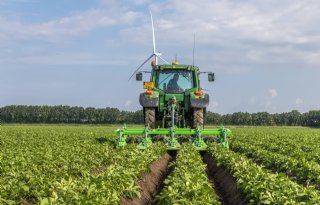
(304, 171)
(188, 183)
(298, 142)
(260, 185)
(72, 164)
(58, 164)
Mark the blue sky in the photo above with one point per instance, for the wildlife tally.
(265, 54)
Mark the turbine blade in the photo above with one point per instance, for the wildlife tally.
(141, 66)
(163, 59)
(153, 37)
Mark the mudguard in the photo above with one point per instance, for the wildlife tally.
(148, 101)
(200, 102)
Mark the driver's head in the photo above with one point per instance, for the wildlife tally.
(176, 77)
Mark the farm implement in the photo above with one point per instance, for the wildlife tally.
(172, 136)
(147, 135)
(174, 107)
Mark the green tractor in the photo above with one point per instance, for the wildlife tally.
(174, 86)
(174, 107)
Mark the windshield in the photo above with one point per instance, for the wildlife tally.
(174, 81)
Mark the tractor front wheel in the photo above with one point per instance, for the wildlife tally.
(150, 117)
(198, 117)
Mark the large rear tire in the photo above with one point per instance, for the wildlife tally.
(150, 117)
(198, 117)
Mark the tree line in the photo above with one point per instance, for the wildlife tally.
(90, 115)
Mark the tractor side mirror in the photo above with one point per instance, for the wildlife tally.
(139, 76)
(210, 77)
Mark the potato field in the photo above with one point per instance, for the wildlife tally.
(69, 164)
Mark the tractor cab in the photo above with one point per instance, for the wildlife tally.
(174, 80)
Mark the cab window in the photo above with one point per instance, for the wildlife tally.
(174, 81)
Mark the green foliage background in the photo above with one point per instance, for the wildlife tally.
(90, 115)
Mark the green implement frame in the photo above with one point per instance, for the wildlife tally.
(147, 135)
(171, 134)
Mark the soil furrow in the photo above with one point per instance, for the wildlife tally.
(224, 183)
(151, 182)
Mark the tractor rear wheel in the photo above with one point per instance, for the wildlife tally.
(150, 117)
(198, 117)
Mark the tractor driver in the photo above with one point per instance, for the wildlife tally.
(173, 84)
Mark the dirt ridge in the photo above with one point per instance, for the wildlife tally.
(224, 183)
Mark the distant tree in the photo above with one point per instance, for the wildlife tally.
(294, 118)
(262, 119)
(241, 118)
(313, 118)
(213, 118)
(67, 114)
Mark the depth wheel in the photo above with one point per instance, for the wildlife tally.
(198, 117)
(150, 117)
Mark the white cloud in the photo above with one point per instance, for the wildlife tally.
(139, 1)
(254, 55)
(246, 20)
(4, 2)
(273, 93)
(75, 58)
(313, 57)
(269, 104)
(248, 32)
(76, 24)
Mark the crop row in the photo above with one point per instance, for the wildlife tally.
(68, 165)
(260, 185)
(295, 142)
(296, 136)
(289, 149)
(79, 165)
(188, 183)
(32, 159)
(305, 172)
(107, 187)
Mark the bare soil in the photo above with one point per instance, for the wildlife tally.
(224, 183)
(151, 182)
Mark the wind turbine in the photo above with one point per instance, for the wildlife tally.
(154, 54)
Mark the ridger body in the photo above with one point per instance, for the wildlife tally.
(174, 107)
